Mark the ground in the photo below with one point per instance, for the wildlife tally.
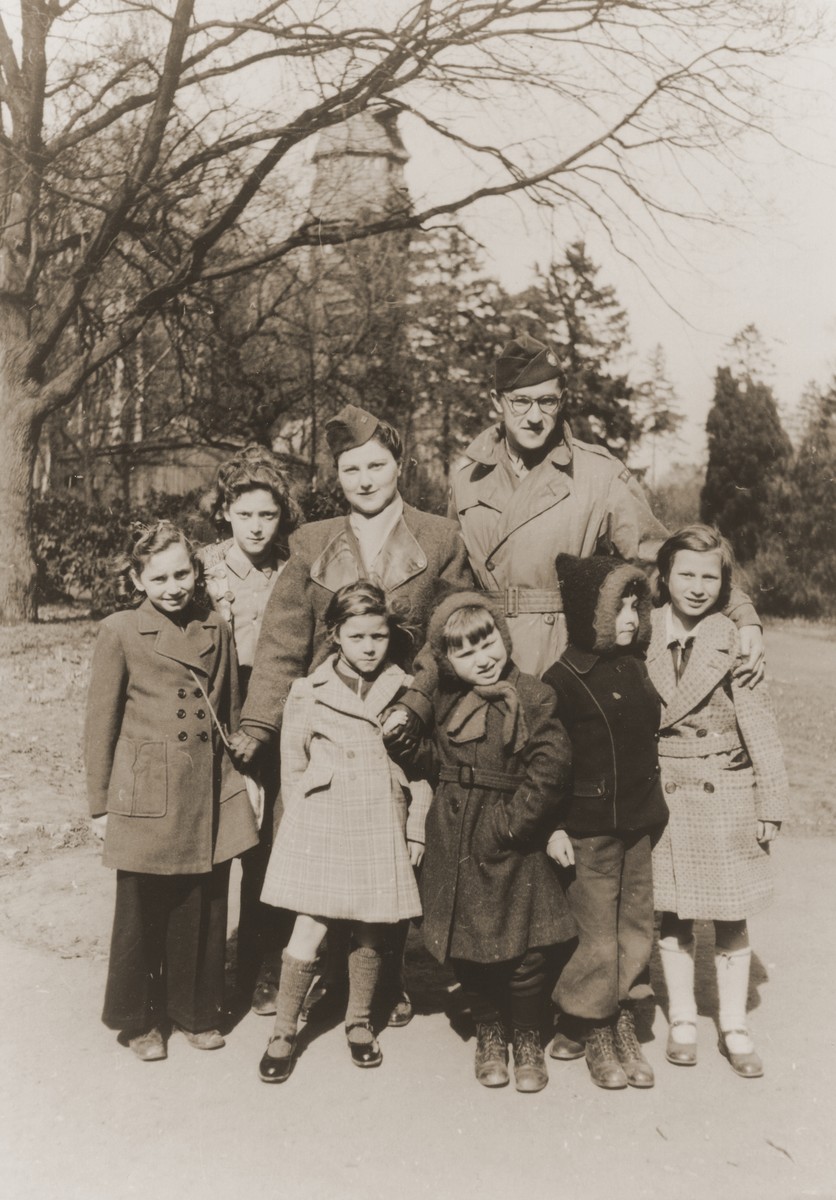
(84, 1120)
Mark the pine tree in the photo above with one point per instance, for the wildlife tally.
(748, 451)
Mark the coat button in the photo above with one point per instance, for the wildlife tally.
(200, 714)
(181, 712)
(203, 735)
(197, 693)
(182, 693)
(549, 618)
(702, 733)
(182, 735)
(349, 754)
(708, 787)
(670, 787)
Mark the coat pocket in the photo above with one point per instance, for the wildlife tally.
(139, 780)
(316, 779)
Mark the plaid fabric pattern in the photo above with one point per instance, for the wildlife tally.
(341, 847)
(708, 864)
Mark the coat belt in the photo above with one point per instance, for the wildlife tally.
(471, 777)
(694, 746)
(516, 599)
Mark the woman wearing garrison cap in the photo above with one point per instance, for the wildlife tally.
(412, 555)
(527, 490)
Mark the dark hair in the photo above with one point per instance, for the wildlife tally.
(253, 467)
(468, 625)
(146, 541)
(366, 599)
(387, 436)
(704, 539)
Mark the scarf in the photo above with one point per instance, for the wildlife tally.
(469, 718)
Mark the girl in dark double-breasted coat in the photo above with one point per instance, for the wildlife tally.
(493, 901)
(172, 808)
(725, 785)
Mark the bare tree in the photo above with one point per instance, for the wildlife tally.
(135, 139)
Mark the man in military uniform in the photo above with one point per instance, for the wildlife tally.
(527, 490)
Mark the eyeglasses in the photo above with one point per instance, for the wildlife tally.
(519, 405)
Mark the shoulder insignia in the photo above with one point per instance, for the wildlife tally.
(624, 475)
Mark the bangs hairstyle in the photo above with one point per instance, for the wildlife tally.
(366, 599)
(704, 539)
(467, 626)
(148, 540)
(253, 467)
(385, 435)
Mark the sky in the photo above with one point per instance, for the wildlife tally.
(774, 267)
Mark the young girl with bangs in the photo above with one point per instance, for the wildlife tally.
(171, 807)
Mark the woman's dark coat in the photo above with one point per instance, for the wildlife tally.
(488, 889)
(423, 557)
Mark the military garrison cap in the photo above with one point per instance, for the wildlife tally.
(524, 362)
(351, 427)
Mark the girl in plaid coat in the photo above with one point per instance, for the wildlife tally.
(349, 837)
(725, 785)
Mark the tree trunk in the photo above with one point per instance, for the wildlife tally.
(18, 446)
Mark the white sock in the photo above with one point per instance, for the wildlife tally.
(678, 970)
(732, 968)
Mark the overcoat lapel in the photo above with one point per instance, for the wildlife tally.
(711, 660)
(331, 691)
(192, 647)
(542, 489)
(400, 559)
(339, 563)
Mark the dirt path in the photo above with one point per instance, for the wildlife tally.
(84, 1120)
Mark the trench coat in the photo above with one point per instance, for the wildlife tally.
(610, 710)
(578, 499)
(423, 556)
(722, 770)
(341, 850)
(489, 890)
(154, 761)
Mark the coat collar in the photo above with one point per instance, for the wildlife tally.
(401, 558)
(451, 694)
(580, 661)
(190, 646)
(330, 690)
(711, 660)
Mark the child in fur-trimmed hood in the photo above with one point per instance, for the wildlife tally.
(616, 809)
(493, 902)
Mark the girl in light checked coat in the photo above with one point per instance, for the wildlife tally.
(352, 829)
(725, 785)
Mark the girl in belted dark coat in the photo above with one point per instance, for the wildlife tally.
(492, 899)
(172, 808)
(616, 811)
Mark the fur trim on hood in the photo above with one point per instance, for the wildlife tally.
(592, 591)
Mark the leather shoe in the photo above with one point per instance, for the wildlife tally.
(401, 1012)
(264, 998)
(565, 1047)
(274, 1068)
(602, 1058)
(746, 1064)
(204, 1039)
(530, 1074)
(636, 1067)
(149, 1046)
(681, 1054)
(364, 1053)
(324, 1002)
(491, 1062)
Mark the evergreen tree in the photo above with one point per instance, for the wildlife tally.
(657, 407)
(748, 451)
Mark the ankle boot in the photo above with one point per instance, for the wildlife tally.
(636, 1067)
(602, 1057)
(530, 1074)
(732, 989)
(277, 1060)
(491, 1063)
(678, 969)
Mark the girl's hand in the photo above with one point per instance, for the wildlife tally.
(767, 831)
(243, 747)
(99, 825)
(416, 853)
(750, 670)
(394, 719)
(560, 848)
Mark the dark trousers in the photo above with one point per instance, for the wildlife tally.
(512, 991)
(167, 951)
(611, 898)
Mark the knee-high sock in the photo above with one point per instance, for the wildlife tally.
(296, 978)
(733, 986)
(678, 969)
(364, 965)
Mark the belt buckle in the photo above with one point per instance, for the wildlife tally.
(512, 601)
(466, 776)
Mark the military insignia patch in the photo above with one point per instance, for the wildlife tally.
(624, 476)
